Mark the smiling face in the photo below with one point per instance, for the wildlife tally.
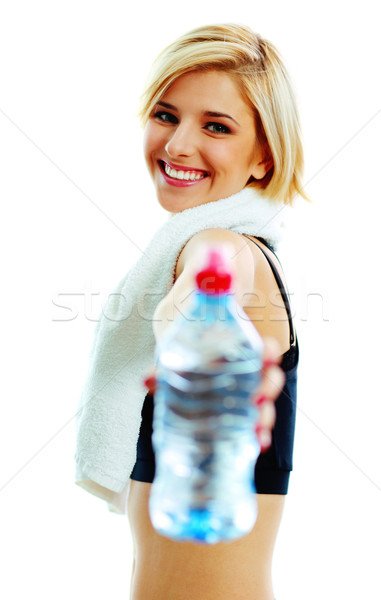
(200, 142)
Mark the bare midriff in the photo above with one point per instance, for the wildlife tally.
(169, 570)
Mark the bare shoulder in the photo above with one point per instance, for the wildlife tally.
(241, 254)
(255, 286)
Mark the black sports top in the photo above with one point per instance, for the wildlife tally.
(290, 358)
(272, 470)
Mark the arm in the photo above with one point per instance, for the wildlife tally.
(242, 264)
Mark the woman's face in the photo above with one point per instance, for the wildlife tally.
(200, 143)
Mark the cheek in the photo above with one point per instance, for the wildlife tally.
(233, 161)
(150, 140)
(221, 157)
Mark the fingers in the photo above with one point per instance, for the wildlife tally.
(272, 382)
(267, 414)
(271, 351)
(273, 377)
(265, 425)
(150, 381)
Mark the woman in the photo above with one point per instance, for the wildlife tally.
(221, 137)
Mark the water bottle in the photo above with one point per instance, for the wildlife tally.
(208, 366)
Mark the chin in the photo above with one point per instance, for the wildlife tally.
(177, 204)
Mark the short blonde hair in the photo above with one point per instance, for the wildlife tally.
(261, 75)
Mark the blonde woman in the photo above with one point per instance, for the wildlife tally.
(222, 146)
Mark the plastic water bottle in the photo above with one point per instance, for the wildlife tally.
(208, 367)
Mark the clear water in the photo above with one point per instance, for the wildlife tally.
(205, 456)
(208, 367)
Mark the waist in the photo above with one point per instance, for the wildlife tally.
(168, 570)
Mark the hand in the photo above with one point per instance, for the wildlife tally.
(271, 385)
(273, 379)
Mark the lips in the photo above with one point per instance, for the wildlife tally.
(181, 176)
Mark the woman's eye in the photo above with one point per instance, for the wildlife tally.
(217, 128)
(167, 117)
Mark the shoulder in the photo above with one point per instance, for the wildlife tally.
(240, 253)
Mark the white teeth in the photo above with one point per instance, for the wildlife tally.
(186, 175)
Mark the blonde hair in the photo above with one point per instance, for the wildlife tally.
(261, 75)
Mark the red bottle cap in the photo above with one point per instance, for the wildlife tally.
(214, 278)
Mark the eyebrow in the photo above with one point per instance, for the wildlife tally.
(207, 113)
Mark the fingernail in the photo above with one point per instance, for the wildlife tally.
(269, 362)
(258, 428)
(149, 382)
(261, 399)
(265, 441)
(263, 436)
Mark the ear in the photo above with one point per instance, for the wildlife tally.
(262, 164)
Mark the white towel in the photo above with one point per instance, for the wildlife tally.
(109, 415)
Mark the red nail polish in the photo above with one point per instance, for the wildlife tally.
(269, 362)
(149, 382)
(264, 440)
(265, 447)
(260, 400)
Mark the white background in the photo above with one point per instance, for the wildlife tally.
(78, 207)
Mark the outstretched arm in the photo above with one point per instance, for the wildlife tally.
(243, 267)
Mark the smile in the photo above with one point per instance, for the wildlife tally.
(181, 176)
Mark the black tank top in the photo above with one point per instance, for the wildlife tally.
(289, 358)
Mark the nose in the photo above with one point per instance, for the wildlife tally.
(182, 141)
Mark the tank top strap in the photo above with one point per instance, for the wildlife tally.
(279, 283)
